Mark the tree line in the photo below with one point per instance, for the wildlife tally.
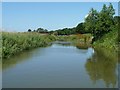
(39, 30)
(98, 23)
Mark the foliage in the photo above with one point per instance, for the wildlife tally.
(39, 30)
(109, 41)
(80, 28)
(90, 21)
(29, 30)
(65, 31)
(76, 39)
(16, 42)
(100, 23)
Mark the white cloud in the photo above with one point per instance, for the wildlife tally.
(86, 15)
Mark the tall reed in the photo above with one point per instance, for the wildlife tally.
(16, 42)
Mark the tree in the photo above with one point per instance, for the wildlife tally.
(66, 31)
(90, 21)
(29, 30)
(111, 10)
(80, 28)
(105, 21)
(100, 23)
(41, 30)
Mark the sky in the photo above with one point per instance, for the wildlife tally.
(21, 16)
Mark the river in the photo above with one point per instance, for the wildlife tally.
(60, 66)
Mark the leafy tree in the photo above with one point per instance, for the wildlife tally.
(90, 21)
(29, 30)
(41, 30)
(111, 10)
(100, 23)
(80, 28)
(105, 21)
(66, 31)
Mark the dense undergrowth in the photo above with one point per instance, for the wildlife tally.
(108, 41)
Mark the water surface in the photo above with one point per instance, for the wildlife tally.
(60, 66)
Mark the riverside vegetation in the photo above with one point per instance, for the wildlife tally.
(16, 42)
(99, 28)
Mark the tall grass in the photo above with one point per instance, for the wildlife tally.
(16, 42)
(108, 41)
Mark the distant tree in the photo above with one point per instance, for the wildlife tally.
(80, 28)
(66, 31)
(41, 30)
(51, 32)
(34, 30)
(29, 30)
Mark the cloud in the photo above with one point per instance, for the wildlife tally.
(86, 15)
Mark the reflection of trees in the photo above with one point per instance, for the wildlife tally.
(63, 43)
(81, 46)
(21, 57)
(103, 66)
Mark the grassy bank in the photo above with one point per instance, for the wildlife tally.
(77, 38)
(16, 42)
(108, 41)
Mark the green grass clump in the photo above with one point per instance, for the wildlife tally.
(16, 42)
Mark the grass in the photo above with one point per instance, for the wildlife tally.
(79, 38)
(17, 42)
(13, 43)
(108, 41)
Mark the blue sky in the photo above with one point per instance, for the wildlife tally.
(20, 16)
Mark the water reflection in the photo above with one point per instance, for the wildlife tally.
(82, 46)
(22, 57)
(102, 66)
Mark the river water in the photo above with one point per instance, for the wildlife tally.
(61, 66)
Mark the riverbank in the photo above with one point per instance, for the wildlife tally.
(108, 41)
(14, 43)
(76, 38)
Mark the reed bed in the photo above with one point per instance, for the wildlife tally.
(13, 42)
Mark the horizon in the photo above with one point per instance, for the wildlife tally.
(19, 17)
